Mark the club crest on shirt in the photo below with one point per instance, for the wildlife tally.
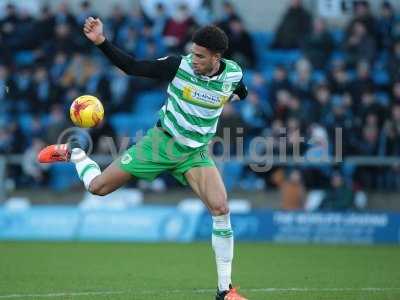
(126, 159)
(226, 87)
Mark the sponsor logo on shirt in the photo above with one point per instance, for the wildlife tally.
(190, 93)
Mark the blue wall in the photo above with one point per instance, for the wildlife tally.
(164, 223)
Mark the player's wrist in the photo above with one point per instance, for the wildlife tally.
(99, 40)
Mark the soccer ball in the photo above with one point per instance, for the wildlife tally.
(86, 111)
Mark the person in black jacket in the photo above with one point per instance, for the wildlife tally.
(295, 25)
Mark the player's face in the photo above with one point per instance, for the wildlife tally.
(203, 60)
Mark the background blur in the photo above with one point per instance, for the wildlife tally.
(310, 66)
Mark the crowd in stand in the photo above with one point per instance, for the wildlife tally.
(348, 80)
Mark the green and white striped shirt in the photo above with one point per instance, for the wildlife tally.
(195, 102)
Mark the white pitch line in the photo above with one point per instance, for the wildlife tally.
(199, 291)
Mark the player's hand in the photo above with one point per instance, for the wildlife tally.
(234, 97)
(93, 30)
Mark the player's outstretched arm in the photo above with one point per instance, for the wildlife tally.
(158, 69)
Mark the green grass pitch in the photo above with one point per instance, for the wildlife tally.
(31, 270)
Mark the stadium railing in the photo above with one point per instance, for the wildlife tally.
(356, 161)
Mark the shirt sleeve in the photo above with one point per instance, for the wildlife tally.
(164, 68)
(241, 90)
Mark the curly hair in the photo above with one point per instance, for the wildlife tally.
(211, 37)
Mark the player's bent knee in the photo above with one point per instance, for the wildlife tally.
(97, 187)
(220, 207)
(220, 210)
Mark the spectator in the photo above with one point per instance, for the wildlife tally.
(339, 196)
(318, 45)
(78, 71)
(363, 15)
(317, 153)
(368, 105)
(160, 20)
(115, 23)
(121, 93)
(57, 124)
(255, 114)
(63, 16)
(25, 31)
(279, 82)
(385, 25)
(390, 146)
(18, 143)
(230, 128)
(296, 110)
(291, 189)
(64, 40)
(45, 24)
(368, 146)
(320, 106)
(128, 39)
(6, 140)
(228, 13)
(359, 45)
(340, 117)
(58, 67)
(302, 84)
(24, 90)
(394, 62)
(178, 28)
(281, 107)
(7, 88)
(390, 143)
(97, 84)
(338, 79)
(8, 25)
(294, 27)
(84, 12)
(240, 44)
(295, 145)
(396, 116)
(6, 56)
(43, 91)
(362, 82)
(36, 172)
(396, 92)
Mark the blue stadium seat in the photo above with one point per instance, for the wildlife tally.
(262, 39)
(149, 102)
(338, 55)
(381, 77)
(268, 73)
(276, 57)
(122, 123)
(129, 125)
(63, 176)
(231, 173)
(383, 98)
(24, 58)
(248, 76)
(318, 76)
(25, 121)
(338, 36)
(141, 123)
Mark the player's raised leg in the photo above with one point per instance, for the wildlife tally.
(95, 181)
(208, 185)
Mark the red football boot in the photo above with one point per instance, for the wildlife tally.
(232, 294)
(54, 153)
